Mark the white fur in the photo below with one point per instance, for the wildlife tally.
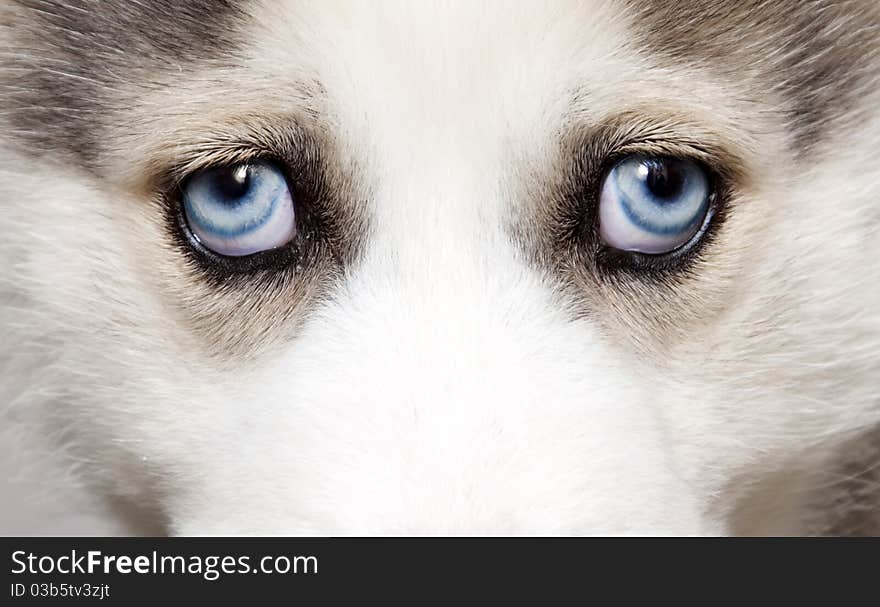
(445, 388)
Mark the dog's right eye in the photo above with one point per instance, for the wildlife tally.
(239, 210)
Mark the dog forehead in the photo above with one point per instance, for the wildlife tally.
(74, 76)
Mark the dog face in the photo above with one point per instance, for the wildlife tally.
(452, 324)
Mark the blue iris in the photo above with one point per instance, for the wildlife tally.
(240, 210)
(653, 205)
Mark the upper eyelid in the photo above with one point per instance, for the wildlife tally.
(610, 140)
(626, 133)
(658, 134)
(716, 164)
(279, 139)
(236, 153)
(665, 148)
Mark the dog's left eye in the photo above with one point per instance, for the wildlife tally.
(239, 210)
(653, 205)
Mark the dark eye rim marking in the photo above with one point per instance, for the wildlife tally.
(680, 259)
(318, 215)
(611, 259)
(302, 247)
(591, 154)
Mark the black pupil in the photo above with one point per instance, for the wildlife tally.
(231, 184)
(665, 179)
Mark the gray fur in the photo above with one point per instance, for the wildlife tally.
(66, 61)
(819, 55)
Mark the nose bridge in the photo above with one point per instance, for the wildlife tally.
(438, 163)
(441, 262)
(455, 310)
(442, 193)
(443, 255)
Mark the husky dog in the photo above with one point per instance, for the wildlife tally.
(291, 267)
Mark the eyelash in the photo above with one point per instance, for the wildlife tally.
(301, 252)
(582, 230)
(581, 215)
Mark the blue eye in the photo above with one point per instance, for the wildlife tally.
(653, 205)
(240, 210)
